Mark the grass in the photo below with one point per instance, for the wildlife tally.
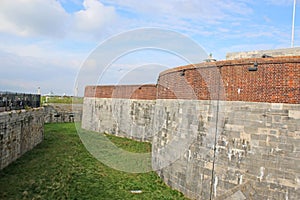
(61, 168)
(130, 145)
(64, 100)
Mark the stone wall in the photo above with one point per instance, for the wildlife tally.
(257, 144)
(228, 150)
(20, 131)
(258, 54)
(123, 110)
(60, 113)
(129, 118)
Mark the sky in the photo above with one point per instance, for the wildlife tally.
(50, 43)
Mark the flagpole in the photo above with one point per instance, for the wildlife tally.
(293, 24)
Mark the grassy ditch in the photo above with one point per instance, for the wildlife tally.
(61, 168)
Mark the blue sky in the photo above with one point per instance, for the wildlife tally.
(44, 43)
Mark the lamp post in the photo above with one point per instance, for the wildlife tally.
(293, 24)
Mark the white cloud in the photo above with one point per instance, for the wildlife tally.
(98, 20)
(94, 17)
(48, 18)
(34, 47)
(32, 17)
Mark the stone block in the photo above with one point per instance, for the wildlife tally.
(295, 114)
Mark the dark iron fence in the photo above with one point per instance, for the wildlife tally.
(17, 101)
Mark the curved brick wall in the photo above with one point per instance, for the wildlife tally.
(277, 80)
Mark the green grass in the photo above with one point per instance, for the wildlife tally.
(61, 168)
(64, 100)
(130, 145)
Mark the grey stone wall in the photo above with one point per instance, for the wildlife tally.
(258, 54)
(123, 117)
(20, 131)
(211, 149)
(237, 150)
(57, 112)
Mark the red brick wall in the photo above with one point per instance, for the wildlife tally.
(277, 80)
(147, 92)
(99, 91)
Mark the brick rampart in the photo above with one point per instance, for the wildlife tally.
(277, 80)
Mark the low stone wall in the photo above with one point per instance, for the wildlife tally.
(20, 131)
(122, 117)
(57, 112)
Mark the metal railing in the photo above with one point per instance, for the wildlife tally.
(17, 101)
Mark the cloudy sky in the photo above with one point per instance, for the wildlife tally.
(45, 43)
